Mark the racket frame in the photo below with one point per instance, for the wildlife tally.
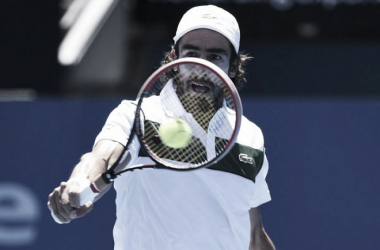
(110, 175)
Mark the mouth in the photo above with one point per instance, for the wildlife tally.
(200, 87)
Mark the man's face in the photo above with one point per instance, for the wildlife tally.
(211, 46)
(206, 44)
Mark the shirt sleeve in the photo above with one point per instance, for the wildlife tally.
(260, 192)
(119, 124)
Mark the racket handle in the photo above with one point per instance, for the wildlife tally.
(88, 194)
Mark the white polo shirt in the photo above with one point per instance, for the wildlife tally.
(160, 209)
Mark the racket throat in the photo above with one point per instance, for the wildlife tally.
(109, 177)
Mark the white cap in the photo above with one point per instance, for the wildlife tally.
(213, 18)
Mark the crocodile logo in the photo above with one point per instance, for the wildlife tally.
(245, 158)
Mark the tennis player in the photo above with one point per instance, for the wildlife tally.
(208, 208)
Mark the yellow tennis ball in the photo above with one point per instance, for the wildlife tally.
(175, 133)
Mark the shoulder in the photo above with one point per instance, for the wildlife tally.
(127, 104)
(250, 134)
(125, 109)
(150, 102)
(151, 107)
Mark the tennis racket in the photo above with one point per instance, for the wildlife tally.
(199, 93)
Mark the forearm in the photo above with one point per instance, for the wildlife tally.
(261, 241)
(259, 238)
(93, 164)
(90, 166)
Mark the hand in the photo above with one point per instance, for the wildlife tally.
(64, 202)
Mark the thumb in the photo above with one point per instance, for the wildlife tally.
(83, 210)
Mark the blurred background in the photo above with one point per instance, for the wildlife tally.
(313, 87)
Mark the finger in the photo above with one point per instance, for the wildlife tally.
(56, 219)
(73, 194)
(65, 199)
(75, 186)
(74, 199)
(61, 209)
(50, 202)
(85, 209)
(80, 212)
(53, 207)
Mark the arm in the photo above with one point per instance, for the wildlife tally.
(259, 238)
(64, 200)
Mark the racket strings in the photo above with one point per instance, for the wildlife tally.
(193, 153)
(203, 108)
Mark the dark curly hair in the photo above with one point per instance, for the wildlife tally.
(239, 79)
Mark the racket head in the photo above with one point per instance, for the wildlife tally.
(203, 96)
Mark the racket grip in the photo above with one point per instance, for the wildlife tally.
(88, 194)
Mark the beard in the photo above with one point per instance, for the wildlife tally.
(202, 106)
(201, 94)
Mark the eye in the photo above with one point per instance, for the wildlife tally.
(191, 54)
(214, 57)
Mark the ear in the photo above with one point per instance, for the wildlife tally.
(233, 69)
(173, 55)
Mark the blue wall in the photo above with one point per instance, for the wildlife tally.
(323, 153)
